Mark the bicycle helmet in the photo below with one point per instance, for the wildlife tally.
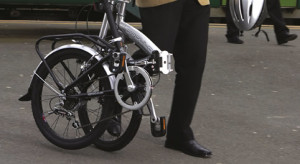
(248, 14)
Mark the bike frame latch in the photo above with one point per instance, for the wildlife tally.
(165, 62)
(118, 62)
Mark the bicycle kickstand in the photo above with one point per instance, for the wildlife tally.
(158, 124)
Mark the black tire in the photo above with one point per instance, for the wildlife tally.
(130, 123)
(51, 118)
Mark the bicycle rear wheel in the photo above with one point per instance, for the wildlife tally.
(58, 117)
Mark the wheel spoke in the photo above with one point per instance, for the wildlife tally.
(68, 70)
(51, 97)
(55, 122)
(66, 130)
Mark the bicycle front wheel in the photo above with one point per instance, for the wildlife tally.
(129, 124)
(57, 117)
(121, 128)
(128, 121)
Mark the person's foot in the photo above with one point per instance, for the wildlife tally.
(114, 127)
(284, 38)
(190, 147)
(235, 40)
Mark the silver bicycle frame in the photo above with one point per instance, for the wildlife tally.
(136, 36)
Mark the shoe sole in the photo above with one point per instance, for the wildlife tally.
(186, 152)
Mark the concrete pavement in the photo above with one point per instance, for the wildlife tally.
(247, 112)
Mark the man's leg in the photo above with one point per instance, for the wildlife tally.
(280, 28)
(190, 56)
(276, 16)
(232, 31)
(161, 25)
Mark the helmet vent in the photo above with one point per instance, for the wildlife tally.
(242, 13)
(250, 10)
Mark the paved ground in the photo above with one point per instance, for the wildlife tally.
(248, 109)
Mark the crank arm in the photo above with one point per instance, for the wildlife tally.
(152, 112)
(158, 124)
(130, 85)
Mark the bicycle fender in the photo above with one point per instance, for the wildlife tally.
(92, 52)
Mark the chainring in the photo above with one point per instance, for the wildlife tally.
(143, 90)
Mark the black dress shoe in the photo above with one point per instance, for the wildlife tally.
(284, 38)
(235, 40)
(114, 127)
(190, 147)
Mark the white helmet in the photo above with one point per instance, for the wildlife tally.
(248, 14)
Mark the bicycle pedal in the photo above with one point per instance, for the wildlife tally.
(158, 129)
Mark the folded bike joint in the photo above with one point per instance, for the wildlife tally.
(165, 62)
(158, 62)
(117, 64)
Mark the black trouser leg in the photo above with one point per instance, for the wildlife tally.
(276, 17)
(161, 23)
(232, 30)
(182, 28)
(190, 56)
